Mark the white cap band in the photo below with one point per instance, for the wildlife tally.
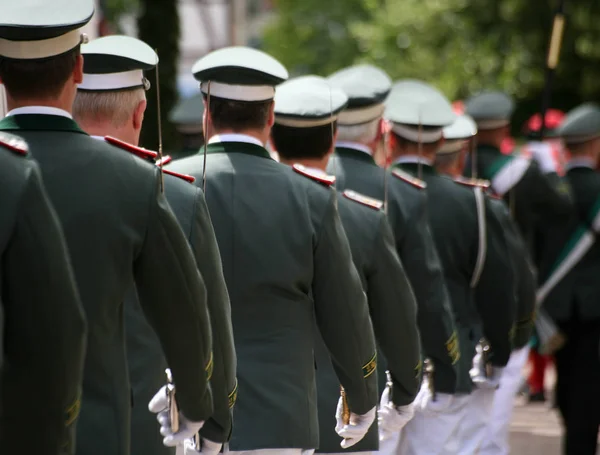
(492, 124)
(112, 81)
(239, 92)
(29, 50)
(452, 146)
(304, 123)
(361, 115)
(413, 134)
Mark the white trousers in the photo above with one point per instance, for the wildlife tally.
(353, 453)
(271, 452)
(431, 431)
(497, 434)
(474, 425)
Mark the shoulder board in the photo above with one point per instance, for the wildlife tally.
(187, 178)
(164, 161)
(137, 151)
(405, 176)
(327, 180)
(14, 143)
(473, 182)
(364, 200)
(495, 196)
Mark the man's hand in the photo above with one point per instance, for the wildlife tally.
(208, 447)
(356, 429)
(392, 418)
(187, 429)
(482, 374)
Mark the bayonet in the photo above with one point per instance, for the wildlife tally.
(160, 144)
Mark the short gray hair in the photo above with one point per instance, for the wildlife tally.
(114, 106)
(364, 134)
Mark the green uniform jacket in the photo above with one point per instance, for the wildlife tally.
(455, 228)
(286, 261)
(144, 353)
(524, 275)
(407, 212)
(42, 326)
(536, 197)
(119, 229)
(393, 312)
(579, 290)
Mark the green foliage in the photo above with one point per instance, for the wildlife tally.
(158, 25)
(461, 46)
(112, 9)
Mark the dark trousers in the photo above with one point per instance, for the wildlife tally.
(578, 386)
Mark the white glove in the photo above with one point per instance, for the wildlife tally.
(543, 154)
(187, 429)
(488, 382)
(208, 447)
(356, 429)
(392, 418)
(480, 377)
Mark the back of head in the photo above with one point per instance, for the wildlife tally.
(492, 111)
(306, 112)
(418, 113)
(581, 128)
(112, 92)
(238, 84)
(367, 87)
(39, 49)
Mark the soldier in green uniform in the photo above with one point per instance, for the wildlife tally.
(489, 411)
(473, 254)
(531, 187)
(312, 107)
(570, 290)
(117, 224)
(286, 261)
(406, 204)
(112, 104)
(187, 118)
(39, 303)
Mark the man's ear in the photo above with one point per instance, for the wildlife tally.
(78, 70)
(271, 120)
(138, 115)
(335, 136)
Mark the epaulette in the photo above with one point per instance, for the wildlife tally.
(495, 196)
(164, 161)
(140, 152)
(187, 178)
(14, 143)
(322, 178)
(473, 182)
(405, 176)
(364, 200)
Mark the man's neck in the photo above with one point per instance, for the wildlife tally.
(485, 139)
(413, 153)
(257, 134)
(584, 157)
(63, 102)
(355, 145)
(314, 163)
(107, 129)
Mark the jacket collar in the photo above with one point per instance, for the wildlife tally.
(39, 122)
(246, 148)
